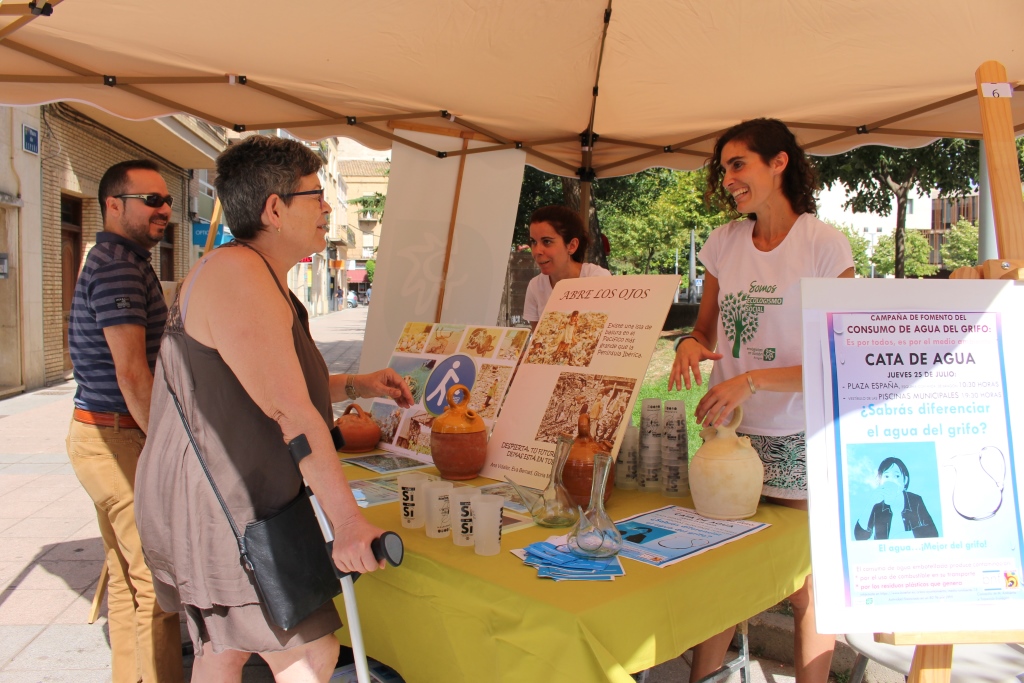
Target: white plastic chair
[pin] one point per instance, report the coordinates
(1001, 663)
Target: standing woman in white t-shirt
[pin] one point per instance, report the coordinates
(750, 313)
(558, 241)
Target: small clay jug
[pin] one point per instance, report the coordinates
(578, 473)
(458, 439)
(726, 473)
(360, 432)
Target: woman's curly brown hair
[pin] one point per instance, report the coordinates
(766, 137)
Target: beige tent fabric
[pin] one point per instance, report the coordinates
(672, 70)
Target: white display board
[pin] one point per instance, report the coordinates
(432, 358)
(410, 258)
(912, 389)
(589, 353)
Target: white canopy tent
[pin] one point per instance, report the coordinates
(589, 88)
(655, 80)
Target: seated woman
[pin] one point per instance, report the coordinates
(238, 355)
(558, 241)
(915, 522)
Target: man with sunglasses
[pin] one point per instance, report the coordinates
(117, 321)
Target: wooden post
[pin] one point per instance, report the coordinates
(1001, 156)
(211, 238)
(931, 664)
(1004, 182)
(451, 229)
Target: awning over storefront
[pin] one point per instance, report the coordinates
(355, 276)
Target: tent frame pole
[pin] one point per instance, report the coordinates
(451, 232)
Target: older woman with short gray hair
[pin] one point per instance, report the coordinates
(238, 355)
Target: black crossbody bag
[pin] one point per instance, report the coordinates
(285, 554)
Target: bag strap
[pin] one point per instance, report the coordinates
(239, 538)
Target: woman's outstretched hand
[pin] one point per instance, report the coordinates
(384, 382)
(688, 358)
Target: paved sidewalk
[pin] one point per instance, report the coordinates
(51, 552)
(50, 546)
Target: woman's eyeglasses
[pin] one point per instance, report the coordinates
(153, 200)
(318, 192)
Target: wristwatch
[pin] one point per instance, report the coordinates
(350, 388)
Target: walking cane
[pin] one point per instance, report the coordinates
(388, 546)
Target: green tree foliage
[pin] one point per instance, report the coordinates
(647, 226)
(539, 189)
(961, 247)
(875, 175)
(632, 196)
(918, 255)
(373, 203)
(859, 245)
(371, 268)
(739, 320)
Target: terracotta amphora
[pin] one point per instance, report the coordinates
(726, 473)
(360, 432)
(458, 439)
(578, 473)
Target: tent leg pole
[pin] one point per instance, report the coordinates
(211, 238)
(451, 232)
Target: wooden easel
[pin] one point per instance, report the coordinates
(933, 654)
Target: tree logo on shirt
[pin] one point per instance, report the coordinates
(739, 320)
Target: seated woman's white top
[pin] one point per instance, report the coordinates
(539, 290)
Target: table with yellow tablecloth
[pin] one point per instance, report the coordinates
(449, 615)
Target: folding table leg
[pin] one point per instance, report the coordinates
(741, 663)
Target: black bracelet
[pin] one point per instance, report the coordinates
(679, 341)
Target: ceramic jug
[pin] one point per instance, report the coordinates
(726, 473)
(578, 473)
(360, 432)
(458, 439)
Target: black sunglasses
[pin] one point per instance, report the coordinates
(319, 192)
(153, 200)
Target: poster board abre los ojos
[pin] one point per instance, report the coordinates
(589, 354)
(912, 389)
(433, 357)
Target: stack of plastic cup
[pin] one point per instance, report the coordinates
(629, 457)
(675, 476)
(648, 474)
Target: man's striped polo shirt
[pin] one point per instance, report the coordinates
(117, 287)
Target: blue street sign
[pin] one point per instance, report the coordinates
(200, 231)
(457, 369)
(29, 139)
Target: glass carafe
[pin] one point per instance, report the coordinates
(595, 534)
(554, 508)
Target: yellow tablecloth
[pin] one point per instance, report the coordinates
(449, 615)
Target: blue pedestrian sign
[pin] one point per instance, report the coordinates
(457, 369)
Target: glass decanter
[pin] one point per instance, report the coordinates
(595, 534)
(553, 507)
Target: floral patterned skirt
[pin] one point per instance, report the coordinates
(785, 464)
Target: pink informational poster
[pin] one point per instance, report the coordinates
(911, 402)
(433, 357)
(589, 354)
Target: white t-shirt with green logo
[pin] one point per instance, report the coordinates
(759, 299)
